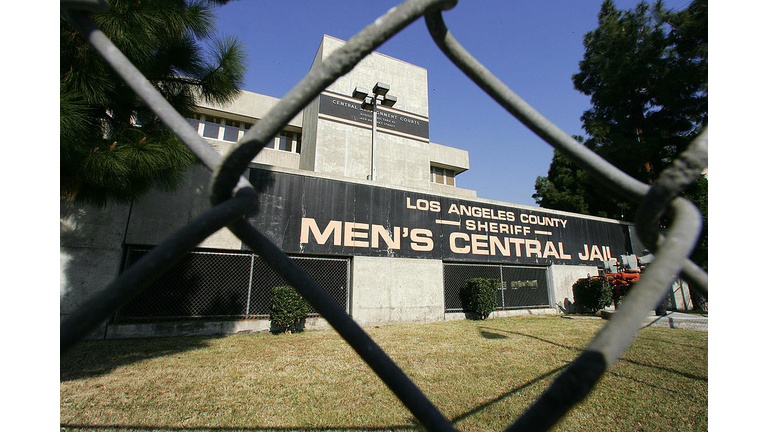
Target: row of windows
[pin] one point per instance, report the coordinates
(223, 129)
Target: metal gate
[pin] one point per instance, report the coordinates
(519, 286)
(230, 285)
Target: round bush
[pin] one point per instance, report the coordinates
(480, 296)
(288, 308)
(591, 295)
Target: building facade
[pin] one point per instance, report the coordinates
(388, 233)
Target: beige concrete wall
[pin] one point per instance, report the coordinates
(449, 157)
(392, 290)
(201, 328)
(309, 136)
(408, 82)
(343, 148)
(309, 125)
(440, 189)
(458, 316)
(266, 156)
(562, 278)
(247, 106)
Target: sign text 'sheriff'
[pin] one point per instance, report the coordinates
(318, 216)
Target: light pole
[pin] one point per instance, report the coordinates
(370, 101)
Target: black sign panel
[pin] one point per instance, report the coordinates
(385, 119)
(318, 216)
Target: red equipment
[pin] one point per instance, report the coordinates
(622, 273)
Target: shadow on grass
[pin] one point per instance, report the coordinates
(120, 428)
(508, 394)
(492, 335)
(499, 332)
(93, 358)
(624, 359)
(676, 344)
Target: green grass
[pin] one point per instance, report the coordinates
(480, 374)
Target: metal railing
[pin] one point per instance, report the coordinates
(232, 196)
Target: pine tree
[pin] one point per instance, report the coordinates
(113, 148)
(645, 71)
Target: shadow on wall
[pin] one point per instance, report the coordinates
(91, 254)
(566, 306)
(90, 242)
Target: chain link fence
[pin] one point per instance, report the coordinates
(232, 196)
(519, 286)
(208, 285)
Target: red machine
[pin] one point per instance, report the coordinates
(622, 273)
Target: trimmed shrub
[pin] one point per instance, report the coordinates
(591, 295)
(288, 309)
(479, 296)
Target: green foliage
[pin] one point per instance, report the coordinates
(698, 193)
(645, 71)
(113, 148)
(591, 295)
(288, 309)
(479, 296)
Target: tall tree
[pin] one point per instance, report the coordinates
(645, 71)
(113, 148)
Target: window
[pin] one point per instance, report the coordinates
(443, 176)
(287, 141)
(195, 121)
(231, 131)
(212, 126)
(283, 141)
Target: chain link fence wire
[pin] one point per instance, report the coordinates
(232, 197)
(205, 285)
(202, 284)
(518, 286)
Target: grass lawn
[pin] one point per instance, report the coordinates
(480, 374)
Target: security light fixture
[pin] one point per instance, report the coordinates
(370, 100)
(368, 103)
(359, 93)
(380, 88)
(389, 100)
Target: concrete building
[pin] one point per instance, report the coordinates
(389, 234)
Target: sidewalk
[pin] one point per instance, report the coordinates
(675, 320)
(679, 320)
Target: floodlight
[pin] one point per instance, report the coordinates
(368, 103)
(360, 93)
(380, 88)
(389, 100)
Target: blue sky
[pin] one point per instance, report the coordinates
(532, 46)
